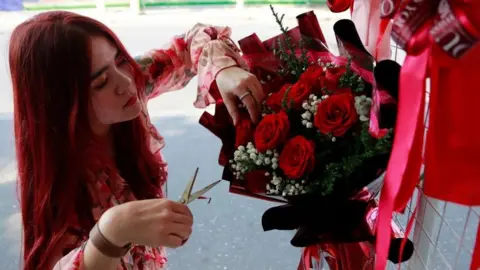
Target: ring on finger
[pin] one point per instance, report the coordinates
(244, 95)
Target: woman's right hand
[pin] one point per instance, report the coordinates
(155, 222)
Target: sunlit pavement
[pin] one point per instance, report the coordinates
(227, 232)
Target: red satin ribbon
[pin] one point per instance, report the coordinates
(406, 157)
(379, 97)
(309, 253)
(345, 256)
(435, 46)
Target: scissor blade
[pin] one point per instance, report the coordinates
(202, 191)
(188, 189)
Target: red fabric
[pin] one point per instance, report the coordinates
(452, 144)
(405, 159)
(309, 253)
(452, 153)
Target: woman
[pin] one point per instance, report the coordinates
(89, 162)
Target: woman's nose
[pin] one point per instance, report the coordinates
(123, 84)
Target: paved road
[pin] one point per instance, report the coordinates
(227, 233)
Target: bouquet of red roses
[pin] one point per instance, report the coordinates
(324, 139)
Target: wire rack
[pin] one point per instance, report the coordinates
(444, 233)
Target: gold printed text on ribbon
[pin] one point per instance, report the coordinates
(388, 8)
(449, 33)
(410, 18)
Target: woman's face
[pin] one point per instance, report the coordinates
(113, 90)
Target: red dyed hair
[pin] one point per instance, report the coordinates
(49, 58)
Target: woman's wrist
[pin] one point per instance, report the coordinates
(114, 226)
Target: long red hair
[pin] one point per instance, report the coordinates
(49, 58)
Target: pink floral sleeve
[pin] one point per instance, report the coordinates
(71, 261)
(204, 50)
(69, 255)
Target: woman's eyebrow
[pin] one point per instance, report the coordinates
(99, 72)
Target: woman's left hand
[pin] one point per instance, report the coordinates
(238, 85)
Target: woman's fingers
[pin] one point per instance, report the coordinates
(237, 85)
(231, 103)
(252, 105)
(250, 92)
(257, 89)
(181, 208)
(172, 241)
(182, 219)
(181, 230)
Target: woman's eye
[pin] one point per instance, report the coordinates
(101, 82)
(121, 60)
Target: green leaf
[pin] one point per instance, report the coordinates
(285, 101)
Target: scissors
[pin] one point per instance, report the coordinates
(188, 197)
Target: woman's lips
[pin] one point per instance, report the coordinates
(132, 101)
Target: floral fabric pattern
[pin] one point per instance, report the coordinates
(204, 51)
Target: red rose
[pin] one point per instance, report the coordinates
(298, 94)
(244, 131)
(336, 114)
(274, 101)
(297, 158)
(332, 77)
(271, 131)
(315, 76)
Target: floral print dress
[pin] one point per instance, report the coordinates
(204, 51)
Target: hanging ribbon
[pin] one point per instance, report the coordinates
(309, 253)
(436, 34)
(345, 256)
